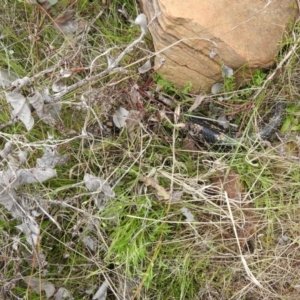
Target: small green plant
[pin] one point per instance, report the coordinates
(229, 84)
(169, 88)
(131, 231)
(258, 78)
(291, 121)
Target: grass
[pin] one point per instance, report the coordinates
(244, 242)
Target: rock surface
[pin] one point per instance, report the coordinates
(197, 37)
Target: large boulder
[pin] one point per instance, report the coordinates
(196, 38)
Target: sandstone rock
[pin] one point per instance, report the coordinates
(197, 37)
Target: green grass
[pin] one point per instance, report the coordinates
(141, 242)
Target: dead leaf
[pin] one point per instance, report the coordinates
(165, 100)
(59, 85)
(65, 17)
(8, 148)
(37, 101)
(7, 200)
(199, 99)
(18, 204)
(235, 188)
(248, 230)
(62, 293)
(133, 121)
(51, 158)
(38, 284)
(187, 213)
(94, 183)
(176, 196)
(230, 182)
(226, 71)
(135, 96)
(34, 175)
(97, 184)
(22, 156)
(46, 4)
(102, 292)
(222, 121)
(120, 117)
(161, 191)
(35, 259)
(145, 67)
(31, 229)
(13, 179)
(21, 108)
(189, 144)
(21, 82)
(6, 78)
(217, 88)
(65, 73)
(66, 22)
(90, 242)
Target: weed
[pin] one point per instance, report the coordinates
(132, 231)
(229, 84)
(258, 78)
(169, 88)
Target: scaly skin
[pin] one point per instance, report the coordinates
(209, 133)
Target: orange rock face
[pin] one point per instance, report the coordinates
(197, 37)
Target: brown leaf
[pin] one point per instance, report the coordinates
(133, 121)
(235, 188)
(135, 96)
(45, 4)
(231, 183)
(248, 230)
(248, 225)
(199, 99)
(65, 17)
(161, 191)
(189, 144)
(66, 22)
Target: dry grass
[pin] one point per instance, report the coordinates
(244, 240)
